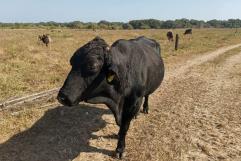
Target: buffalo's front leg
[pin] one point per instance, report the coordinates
(127, 115)
(122, 135)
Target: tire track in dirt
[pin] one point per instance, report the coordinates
(182, 68)
(217, 135)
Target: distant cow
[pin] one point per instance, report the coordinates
(170, 36)
(45, 38)
(119, 76)
(188, 32)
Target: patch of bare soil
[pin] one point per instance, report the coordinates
(1, 51)
(194, 115)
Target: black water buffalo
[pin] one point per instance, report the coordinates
(188, 32)
(45, 38)
(170, 36)
(119, 76)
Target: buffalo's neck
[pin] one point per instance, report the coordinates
(111, 103)
(103, 100)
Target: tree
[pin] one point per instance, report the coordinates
(134, 24)
(168, 24)
(127, 26)
(75, 25)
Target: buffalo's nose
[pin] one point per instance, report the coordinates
(63, 99)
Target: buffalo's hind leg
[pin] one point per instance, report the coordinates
(138, 105)
(145, 105)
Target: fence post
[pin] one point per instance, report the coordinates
(176, 42)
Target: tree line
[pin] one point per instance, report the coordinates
(134, 24)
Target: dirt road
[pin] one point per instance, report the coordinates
(194, 115)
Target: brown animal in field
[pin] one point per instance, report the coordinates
(170, 35)
(45, 38)
(188, 32)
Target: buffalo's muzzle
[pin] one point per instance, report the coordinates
(64, 100)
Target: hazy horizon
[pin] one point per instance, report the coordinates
(33, 11)
(117, 21)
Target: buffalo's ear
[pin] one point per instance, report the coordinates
(112, 76)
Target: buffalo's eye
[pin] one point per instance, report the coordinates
(90, 68)
(93, 66)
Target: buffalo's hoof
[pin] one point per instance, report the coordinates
(119, 155)
(145, 111)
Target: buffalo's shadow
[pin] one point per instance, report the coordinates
(60, 135)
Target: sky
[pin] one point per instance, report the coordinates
(116, 10)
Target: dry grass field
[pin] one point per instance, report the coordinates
(28, 66)
(194, 115)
